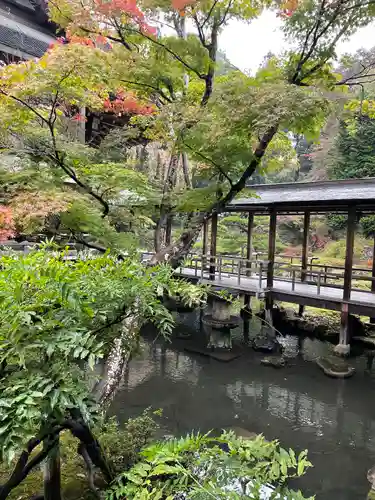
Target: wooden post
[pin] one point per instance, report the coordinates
(205, 241)
(247, 313)
(349, 252)
(271, 259)
(343, 348)
(372, 319)
(250, 225)
(213, 245)
(247, 305)
(271, 248)
(306, 225)
(305, 241)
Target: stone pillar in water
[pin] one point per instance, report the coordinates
(219, 324)
(220, 311)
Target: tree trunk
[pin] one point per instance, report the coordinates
(115, 365)
(52, 473)
(166, 217)
(177, 251)
(185, 169)
(168, 230)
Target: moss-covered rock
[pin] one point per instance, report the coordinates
(335, 367)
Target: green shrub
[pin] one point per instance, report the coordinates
(122, 444)
(203, 466)
(337, 222)
(368, 226)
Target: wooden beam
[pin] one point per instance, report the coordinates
(306, 226)
(249, 242)
(373, 268)
(352, 219)
(305, 241)
(271, 247)
(213, 245)
(372, 319)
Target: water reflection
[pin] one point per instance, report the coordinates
(334, 419)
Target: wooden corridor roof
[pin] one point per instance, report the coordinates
(323, 196)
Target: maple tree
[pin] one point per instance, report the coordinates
(170, 92)
(168, 89)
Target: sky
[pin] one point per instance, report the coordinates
(245, 45)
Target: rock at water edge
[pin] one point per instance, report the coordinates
(335, 367)
(274, 361)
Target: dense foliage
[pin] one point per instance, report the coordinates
(355, 150)
(218, 126)
(57, 320)
(204, 467)
(69, 123)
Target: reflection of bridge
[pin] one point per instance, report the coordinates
(333, 421)
(307, 284)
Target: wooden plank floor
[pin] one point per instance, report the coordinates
(251, 285)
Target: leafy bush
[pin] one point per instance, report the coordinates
(337, 249)
(57, 319)
(122, 444)
(202, 466)
(368, 226)
(337, 222)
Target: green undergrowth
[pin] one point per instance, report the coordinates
(75, 485)
(121, 446)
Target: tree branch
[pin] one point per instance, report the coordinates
(167, 49)
(223, 19)
(205, 158)
(24, 103)
(209, 13)
(147, 85)
(120, 34)
(241, 183)
(23, 466)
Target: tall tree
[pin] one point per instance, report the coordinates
(230, 125)
(354, 154)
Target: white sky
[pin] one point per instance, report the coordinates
(246, 45)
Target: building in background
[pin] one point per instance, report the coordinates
(25, 31)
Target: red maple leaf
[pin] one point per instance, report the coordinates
(127, 103)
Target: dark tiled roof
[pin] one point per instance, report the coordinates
(302, 194)
(18, 40)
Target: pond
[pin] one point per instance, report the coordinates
(334, 419)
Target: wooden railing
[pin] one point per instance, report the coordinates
(205, 266)
(208, 266)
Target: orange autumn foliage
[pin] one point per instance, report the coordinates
(7, 226)
(288, 8)
(181, 4)
(128, 7)
(31, 210)
(127, 103)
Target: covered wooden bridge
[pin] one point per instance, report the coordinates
(329, 287)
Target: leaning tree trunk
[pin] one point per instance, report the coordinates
(117, 360)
